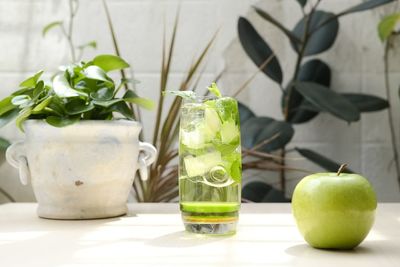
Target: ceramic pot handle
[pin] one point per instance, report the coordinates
(16, 157)
(146, 158)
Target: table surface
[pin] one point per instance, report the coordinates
(152, 235)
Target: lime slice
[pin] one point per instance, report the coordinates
(196, 166)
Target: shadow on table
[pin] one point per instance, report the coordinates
(183, 239)
(305, 250)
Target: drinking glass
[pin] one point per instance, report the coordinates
(210, 167)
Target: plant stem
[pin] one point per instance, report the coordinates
(72, 13)
(7, 195)
(300, 56)
(390, 112)
(117, 52)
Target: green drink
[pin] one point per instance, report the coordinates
(210, 165)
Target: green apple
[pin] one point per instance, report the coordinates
(334, 210)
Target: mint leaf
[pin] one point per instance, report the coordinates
(214, 89)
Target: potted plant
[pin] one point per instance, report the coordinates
(80, 158)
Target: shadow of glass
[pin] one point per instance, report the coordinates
(184, 239)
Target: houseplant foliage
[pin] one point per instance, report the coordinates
(308, 91)
(81, 91)
(388, 31)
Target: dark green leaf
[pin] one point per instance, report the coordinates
(257, 130)
(262, 192)
(302, 2)
(322, 38)
(367, 103)
(110, 62)
(107, 103)
(258, 50)
(4, 144)
(321, 160)
(366, 5)
(388, 25)
(103, 94)
(316, 71)
(62, 121)
(51, 26)
(5, 118)
(6, 105)
(31, 81)
(329, 101)
(38, 89)
(122, 107)
(78, 106)
(245, 113)
(273, 21)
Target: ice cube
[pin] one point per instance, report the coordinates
(196, 166)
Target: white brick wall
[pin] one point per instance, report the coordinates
(355, 59)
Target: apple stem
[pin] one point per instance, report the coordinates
(341, 168)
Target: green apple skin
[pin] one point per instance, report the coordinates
(334, 212)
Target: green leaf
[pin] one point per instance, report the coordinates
(132, 97)
(38, 89)
(262, 192)
(388, 25)
(102, 94)
(62, 121)
(5, 118)
(51, 26)
(259, 51)
(92, 44)
(107, 103)
(78, 106)
(62, 88)
(23, 116)
(327, 100)
(183, 94)
(322, 37)
(122, 107)
(366, 5)
(96, 73)
(31, 81)
(6, 105)
(4, 144)
(321, 160)
(42, 105)
(367, 103)
(110, 62)
(215, 90)
(316, 71)
(260, 129)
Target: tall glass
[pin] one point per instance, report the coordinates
(210, 165)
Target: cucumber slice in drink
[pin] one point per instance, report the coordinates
(212, 122)
(196, 166)
(229, 132)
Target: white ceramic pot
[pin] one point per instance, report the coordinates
(81, 171)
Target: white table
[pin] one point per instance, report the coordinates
(152, 235)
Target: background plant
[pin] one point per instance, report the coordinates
(388, 30)
(307, 93)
